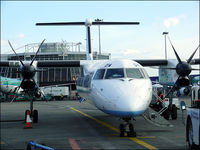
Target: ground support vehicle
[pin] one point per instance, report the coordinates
(193, 119)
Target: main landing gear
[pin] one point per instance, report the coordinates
(127, 128)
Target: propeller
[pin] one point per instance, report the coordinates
(27, 71)
(183, 69)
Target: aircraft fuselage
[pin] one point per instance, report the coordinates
(117, 87)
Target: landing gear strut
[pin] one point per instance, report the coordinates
(33, 113)
(127, 128)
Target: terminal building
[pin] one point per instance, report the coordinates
(52, 51)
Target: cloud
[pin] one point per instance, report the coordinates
(131, 52)
(21, 35)
(172, 21)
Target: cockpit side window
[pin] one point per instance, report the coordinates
(134, 73)
(114, 73)
(99, 74)
(144, 73)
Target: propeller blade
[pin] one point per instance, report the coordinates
(15, 53)
(190, 59)
(178, 58)
(16, 90)
(37, 52)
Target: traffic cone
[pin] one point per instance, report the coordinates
(28, 120)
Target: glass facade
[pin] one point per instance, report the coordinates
(50, 76)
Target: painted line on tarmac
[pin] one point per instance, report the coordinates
(74, 144)
(144, 144)
(139, 137)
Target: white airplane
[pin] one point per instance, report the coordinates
(117, 87)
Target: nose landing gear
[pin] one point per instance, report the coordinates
(127, 128)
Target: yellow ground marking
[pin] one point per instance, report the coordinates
(139, 137)
(146, 145)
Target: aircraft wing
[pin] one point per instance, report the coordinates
(46, 63)
(160, 62)
(59, 63)
(152, 62)
(76, 63)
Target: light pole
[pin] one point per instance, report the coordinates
(99, 20)
(165, 33)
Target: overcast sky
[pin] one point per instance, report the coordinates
(144, 41)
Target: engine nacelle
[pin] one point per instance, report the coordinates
(184, 91)
(183, 81)
(28, 84)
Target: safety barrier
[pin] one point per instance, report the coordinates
(33, 145)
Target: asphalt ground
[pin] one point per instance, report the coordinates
(74, 125)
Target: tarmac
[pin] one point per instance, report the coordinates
(73, 125)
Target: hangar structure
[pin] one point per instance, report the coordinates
(52, 51)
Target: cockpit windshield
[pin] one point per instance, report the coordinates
(134, 73)
(114, 73)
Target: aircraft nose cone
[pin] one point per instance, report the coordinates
(136, 97)
(124, 97)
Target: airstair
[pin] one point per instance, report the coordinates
(155, 117)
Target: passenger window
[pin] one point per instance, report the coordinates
(134, 73)
(114, 73)
(99, 74)
(199, 94)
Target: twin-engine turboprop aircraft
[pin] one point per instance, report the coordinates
(118, 87)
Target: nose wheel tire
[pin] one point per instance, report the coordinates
(130, 133)
(122, 130)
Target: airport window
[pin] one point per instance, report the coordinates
(114, 73)
(99, 74)
(134, 73)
